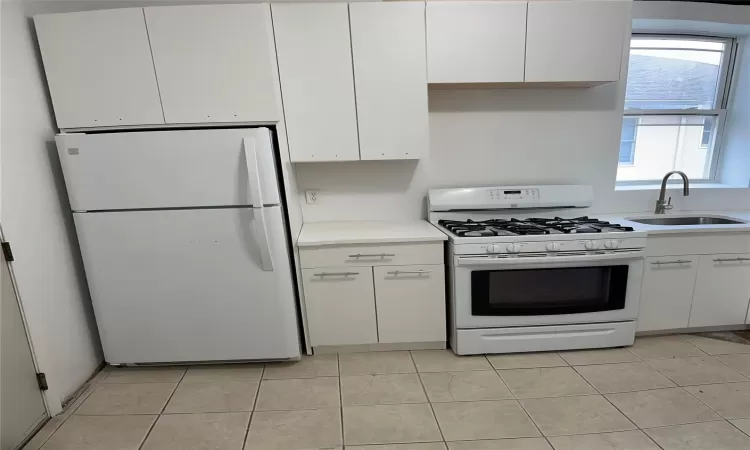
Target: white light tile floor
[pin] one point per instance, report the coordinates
(669, 392)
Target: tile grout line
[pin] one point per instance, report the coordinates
(158, 416)
(252, 411)
(429, 402)
(702, 402)
(747, 379)
(341, 399)
(683, 424)
(741, 431)
(610, 402)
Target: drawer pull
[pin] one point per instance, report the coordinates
(731, 259)
(679, 261)
(373, 255)
(411, 272)
(335, 274)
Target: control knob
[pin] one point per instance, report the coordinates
(493, 248)
(611, 244)
(591, 245)
(513, 248)
(553, 246)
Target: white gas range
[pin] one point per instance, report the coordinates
(553, 281)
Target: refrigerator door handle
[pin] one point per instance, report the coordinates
(253, 175)
(261, 231)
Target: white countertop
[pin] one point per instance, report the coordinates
(672, 229)
(367, 232)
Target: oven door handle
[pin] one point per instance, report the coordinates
(547, 260)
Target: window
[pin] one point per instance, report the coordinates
(674, 106)
(627, 141)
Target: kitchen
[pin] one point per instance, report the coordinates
(487, 126)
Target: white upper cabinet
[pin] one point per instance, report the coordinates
(317, 82)
(476, 41)
(99, 68)
(390, 73)
(722, 291)
(215, 63)
(576, 41)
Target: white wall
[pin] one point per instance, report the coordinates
(37, 221)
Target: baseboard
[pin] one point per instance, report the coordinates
(327, 349)
(693, 330)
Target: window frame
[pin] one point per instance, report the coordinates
(721, 102)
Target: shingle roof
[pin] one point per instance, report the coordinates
(659, 82)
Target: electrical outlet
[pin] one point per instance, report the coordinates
(311, 196)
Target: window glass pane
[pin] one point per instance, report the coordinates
(673, 73)
(628, 128)
(664, 143)
(708, 126)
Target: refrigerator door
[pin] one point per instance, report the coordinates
(169, 169)
(189, 285)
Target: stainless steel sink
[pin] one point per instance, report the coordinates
(694, 220)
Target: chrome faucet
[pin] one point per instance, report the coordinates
(661, 205)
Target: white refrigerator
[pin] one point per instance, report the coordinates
(184, 244)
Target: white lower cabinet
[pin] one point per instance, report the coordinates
(722, 291)
(340, 305)
(667, 292)
(389, 293)
(410, 303)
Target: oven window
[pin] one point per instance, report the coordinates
(542, 292)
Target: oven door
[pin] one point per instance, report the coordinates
(539, 289)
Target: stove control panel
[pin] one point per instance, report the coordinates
(559, 246)
(513, 194)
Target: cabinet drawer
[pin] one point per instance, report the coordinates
(372, 255)
(410, 303)
(340, 304)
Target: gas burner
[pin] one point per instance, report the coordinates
(531, 226)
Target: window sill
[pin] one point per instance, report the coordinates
(677, 185)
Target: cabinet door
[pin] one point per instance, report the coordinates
(576, 41)
(476, 41)
(340, 304)
(317, 82)
(390, 73)
(722, 291)
(99, 68)
(667, 292)
(214, 63)
(410, 303)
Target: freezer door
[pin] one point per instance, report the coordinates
(188, 285)
(169, 169)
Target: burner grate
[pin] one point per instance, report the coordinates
(531, 226)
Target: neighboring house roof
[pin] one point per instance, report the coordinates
(658, 82)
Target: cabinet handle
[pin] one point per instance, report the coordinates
(335, 274)
(373, 255)
(679, 261)
(731, 259)
(400, 272)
